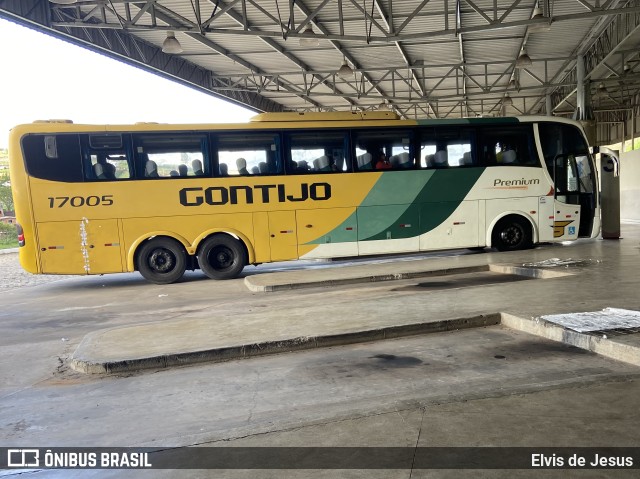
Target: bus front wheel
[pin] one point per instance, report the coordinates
(222, 257)
(512, 233)
(162, 260)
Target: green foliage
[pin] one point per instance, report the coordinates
(8, 235)
(635, 146)
(6, 197)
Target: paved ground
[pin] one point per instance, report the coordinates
(491, 386)
(13, 276)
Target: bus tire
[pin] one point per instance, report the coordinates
(162, 260)
(222, 257)
(512, 233)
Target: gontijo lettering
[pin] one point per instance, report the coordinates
(221, 195)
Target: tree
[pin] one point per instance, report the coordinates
(6, 196)
(8, 234)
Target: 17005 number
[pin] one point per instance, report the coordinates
(77, 201)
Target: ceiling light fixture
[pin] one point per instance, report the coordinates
(523, 60)
(171, 44)
(307, 40)
(345, 71)
(384, 106)
(507, 101)
(542, 26)
(63, 2)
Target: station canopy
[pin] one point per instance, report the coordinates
(420, 58)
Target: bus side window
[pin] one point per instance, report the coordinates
(317, 152)
(53, 157)
(248, 154)
(383, 149)
(106, 157)
(171, 155)
(508, 146)
(450, 147)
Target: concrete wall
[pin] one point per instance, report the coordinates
(630, 186)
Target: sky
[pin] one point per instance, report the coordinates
(42, 78)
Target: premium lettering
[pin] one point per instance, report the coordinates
(520, 182)
(233, 195)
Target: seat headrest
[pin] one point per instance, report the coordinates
(430, 160)
(509, 156)
(441, 157)
(196, 165)
(150, 169)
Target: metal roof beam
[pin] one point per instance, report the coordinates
(616, 34)
(167, 15)
(396, 36)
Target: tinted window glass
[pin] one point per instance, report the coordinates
(317, 152)
(53, 157)
(383, 149)
(171, 155)
(105, 157)
(446, 147)
(504, 146)
(248, 154)
(560, 139)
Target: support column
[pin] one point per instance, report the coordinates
(548, 105)
(580, 94)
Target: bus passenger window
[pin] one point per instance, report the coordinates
(317, 152)
(248, 154)
(105, 157)
(445, 147)
(383, 149)
(508, 146)
(110, 166)
(175, 155)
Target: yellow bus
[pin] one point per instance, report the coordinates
(161, 199)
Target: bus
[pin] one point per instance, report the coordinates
(162, 199)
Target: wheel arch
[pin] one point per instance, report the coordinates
(244, 240)
(534, 230)
(135, 246)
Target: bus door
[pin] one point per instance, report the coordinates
(571, 167)
(575, 192)
(80, 247)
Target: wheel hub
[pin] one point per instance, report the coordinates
(162, 261)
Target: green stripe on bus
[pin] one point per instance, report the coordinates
(407, 204)
(437, 200)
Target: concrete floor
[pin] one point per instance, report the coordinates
(486, 386)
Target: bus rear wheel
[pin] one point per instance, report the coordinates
(222, 257)
(512, 233)
(162, 260)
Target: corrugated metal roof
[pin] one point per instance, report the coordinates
(407, 52)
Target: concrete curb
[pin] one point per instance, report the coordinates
(251, 282)
(612, 348)
(89, 366)
(8, 250)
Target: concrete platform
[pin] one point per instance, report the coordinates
(460, 291)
